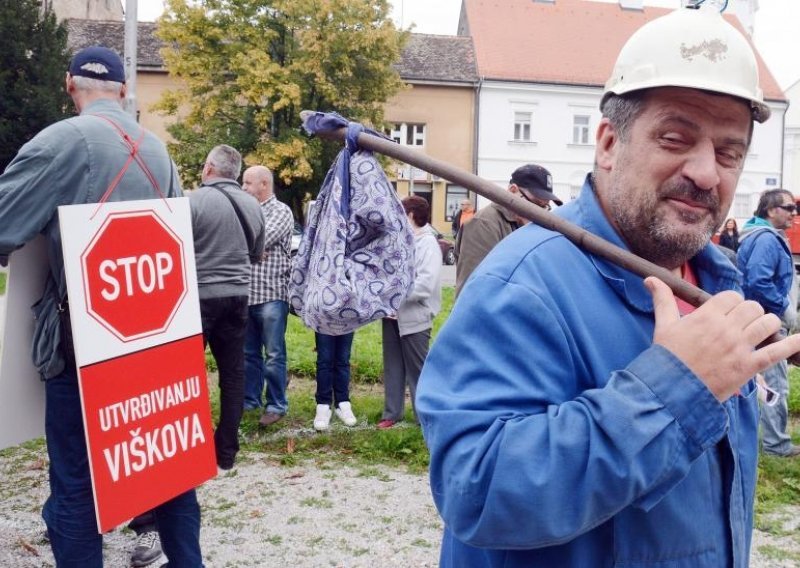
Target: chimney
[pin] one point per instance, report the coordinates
(632, 5)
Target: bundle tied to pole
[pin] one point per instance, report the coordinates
(577, 235)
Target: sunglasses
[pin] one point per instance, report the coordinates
(788, 208)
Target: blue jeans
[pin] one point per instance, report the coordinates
(69, 510)
(333, 368)
(774, 419)
(266, 328)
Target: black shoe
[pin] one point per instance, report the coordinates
(147, 549)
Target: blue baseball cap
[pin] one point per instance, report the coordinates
(98, 62)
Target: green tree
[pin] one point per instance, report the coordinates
(34, 59)
(248, 67)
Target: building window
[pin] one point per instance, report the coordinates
(407, 134)
(522, 126)
(455, 195)
(580, 129)
(741, 206)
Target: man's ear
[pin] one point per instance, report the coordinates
(123, 92)
(607, 143)
(513, 188)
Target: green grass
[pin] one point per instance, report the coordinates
(366, 360)
(293, 439)
(2, 283)
(779, 478)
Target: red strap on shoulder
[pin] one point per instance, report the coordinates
(133, 156)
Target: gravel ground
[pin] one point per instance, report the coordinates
(259, 514)
(312, 515)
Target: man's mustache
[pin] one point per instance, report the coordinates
(688, 191)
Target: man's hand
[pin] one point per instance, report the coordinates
(718, 340)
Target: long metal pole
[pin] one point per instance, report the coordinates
(578, 235)
(131, 41)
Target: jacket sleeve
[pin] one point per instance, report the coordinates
(31, 188)
(518, 461)
(276, 226)
(475, 240)
(427, 265)
(762, 269)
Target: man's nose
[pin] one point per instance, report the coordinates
(701, 166)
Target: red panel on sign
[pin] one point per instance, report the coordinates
(148, 428)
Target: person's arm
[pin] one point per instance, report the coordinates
(764, 261)
(428, 266)
(475, 240)
(277, 224)
(526, 453)
(31, 188)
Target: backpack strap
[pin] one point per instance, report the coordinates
(248, 231)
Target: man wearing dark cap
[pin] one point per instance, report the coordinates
(84, 159)
(493, 223)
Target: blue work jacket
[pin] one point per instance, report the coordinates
(560, 436)
(766, 264)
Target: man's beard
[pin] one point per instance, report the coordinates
(649, 233)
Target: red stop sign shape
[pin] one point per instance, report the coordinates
(134, 275)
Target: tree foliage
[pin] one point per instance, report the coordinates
(34, 59)
(248, 67)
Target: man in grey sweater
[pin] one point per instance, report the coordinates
(228, 235)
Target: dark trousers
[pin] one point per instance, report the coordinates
(333, 368)
(69, 510)
(224, 324)
(403, 357)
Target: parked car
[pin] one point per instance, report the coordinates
(448, 248)
(297, 235)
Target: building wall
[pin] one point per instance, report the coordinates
(86, 9)
(791, 156)
(150, 85)
(448, 115)
(553, 109)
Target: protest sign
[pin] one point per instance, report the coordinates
(137, 333)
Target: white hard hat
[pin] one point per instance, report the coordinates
(697, 49)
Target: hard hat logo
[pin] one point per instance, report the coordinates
(694, 49)
(714, 50)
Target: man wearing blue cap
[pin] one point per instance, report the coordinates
(76, 161)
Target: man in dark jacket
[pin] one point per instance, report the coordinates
(493, 223)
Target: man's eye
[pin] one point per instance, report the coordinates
(729, 158)
(673, 139)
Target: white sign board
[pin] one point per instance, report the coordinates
(21, 387)
(136, 328)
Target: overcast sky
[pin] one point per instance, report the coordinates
(777, 35)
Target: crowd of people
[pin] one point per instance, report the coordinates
(576, 415)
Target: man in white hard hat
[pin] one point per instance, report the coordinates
(590, 419)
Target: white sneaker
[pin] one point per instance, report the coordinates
(345, 413)
(323, 417)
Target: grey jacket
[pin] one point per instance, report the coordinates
(417, 311)
(73, 162)
(220, 248)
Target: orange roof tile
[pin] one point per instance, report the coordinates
(566, 42)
